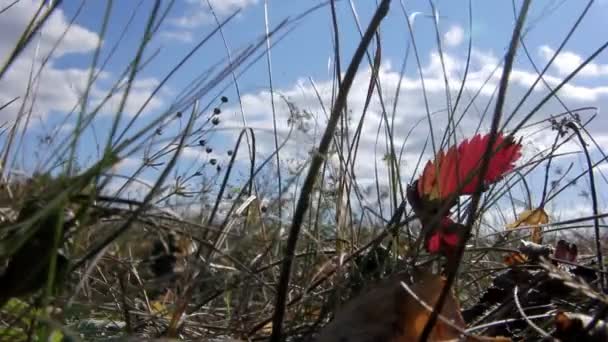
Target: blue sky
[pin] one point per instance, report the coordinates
(299, 61)
(306, 51)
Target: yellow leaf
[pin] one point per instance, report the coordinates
(159, 308)
(530, 218)
(534, 218)
(267, 328)
(537, 235)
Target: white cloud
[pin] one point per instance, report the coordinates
(435, 69)
(140, 91)
(198, 153)
(454, 36)
(568, 61)
(15, 20)
(199, 14)
(57, 89)
(177, 35)
(126, 165)
(223, 7)
(136, 189)
(410, 114)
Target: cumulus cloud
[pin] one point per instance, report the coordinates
(140, 92)
(568, 61)
(198, 13)
(56, 89)
(15, 20)
(181, 36)
(454, 36)
(307, 114)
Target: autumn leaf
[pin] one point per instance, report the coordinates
(160, 305)
(266, 329)
(515, 258)
(442, 177)
(445, 238)
(388, 312)
(565, 251)
(159, 308)
(571, 326)
(534, 218)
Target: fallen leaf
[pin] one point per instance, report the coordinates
(515, 258)
(572, 327)
(266, 329)
(534, 218)
(565, 251)
(159, 306)
(387, 312)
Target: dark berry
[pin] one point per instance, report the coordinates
(229, 152)
(215, 121)
(202, 142)
(216, 111)
(178, 114)
(218, 168)
(212, 161)
(208, 150)
(224, 99)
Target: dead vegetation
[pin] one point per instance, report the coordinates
(250, 246)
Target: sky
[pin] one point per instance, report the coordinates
(302, 68)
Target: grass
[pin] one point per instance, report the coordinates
(259, 248)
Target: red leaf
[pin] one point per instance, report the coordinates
(450, 239)
(443, 239)
(442, 177)
(433, 245)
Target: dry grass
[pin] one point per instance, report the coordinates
(258, 249)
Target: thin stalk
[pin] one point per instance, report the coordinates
(316, 163)
(273, 109)
(85, 96)
(596, 220)
(476, 197)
